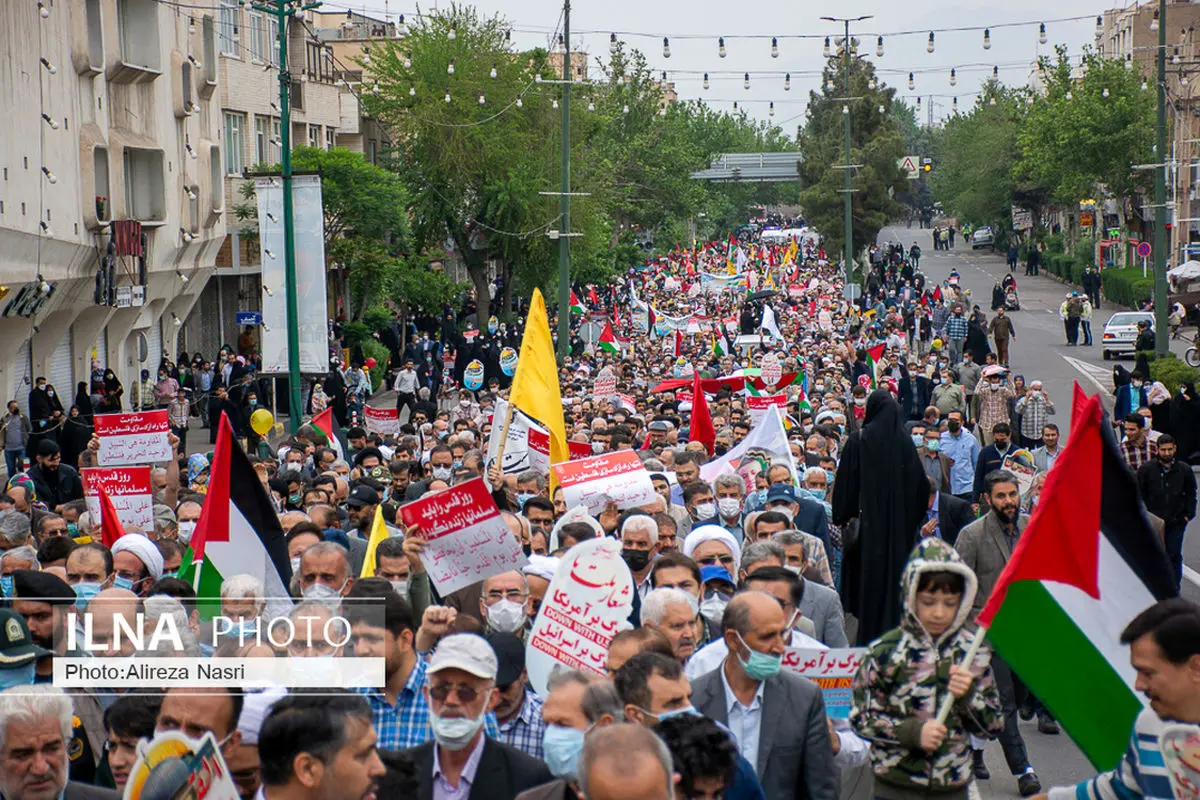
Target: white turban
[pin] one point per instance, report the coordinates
(144, 549)
(541, 566)
(575, 514)
(255, 708)
(711, 533)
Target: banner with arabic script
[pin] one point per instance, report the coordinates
(136, 438)
(833, 670)
(720, 283)
(466, 539)
(130, 491)
(617, 477)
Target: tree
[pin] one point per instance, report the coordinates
(876, 146)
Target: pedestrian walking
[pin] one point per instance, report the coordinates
(1002, 330)
(1168, 488)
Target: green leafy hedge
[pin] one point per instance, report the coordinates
(1172, 372)
(374, 349)
(1127, 286)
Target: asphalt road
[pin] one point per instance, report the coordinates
(1039, 351)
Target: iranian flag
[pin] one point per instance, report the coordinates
(325, 423)
(238, 533)
(874, 356)
(608, 342)
(576, 306)
(1087, 564)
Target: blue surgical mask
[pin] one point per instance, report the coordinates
(918, 439)
(121, 582)
(19, 676)
(816, 494)
(523, 498)
(829, 474)
(686, 711)
(562, 746)
(762, 495)
(72, 529)
(759, 666)
(6, 585)
(171, 573)
(84, 592)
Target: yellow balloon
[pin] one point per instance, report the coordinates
(261, 421)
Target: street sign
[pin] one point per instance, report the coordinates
(249, 318)
(1086, 219)
(1144, 249)
(911, 165)
(1022, 219)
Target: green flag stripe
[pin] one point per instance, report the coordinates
(1064, 669)
(210, 584)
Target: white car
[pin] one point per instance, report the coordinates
(1121, 332)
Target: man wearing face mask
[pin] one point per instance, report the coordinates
(187, 514)
(325, 575)
(730, 491)
(519, 710)
(963, 451)
(17, 430)
(992, 457)
(639, 548)
(504, 603)
(137, 564)
(751, 695)
(56, 483)
(698, 500)
(462, 761)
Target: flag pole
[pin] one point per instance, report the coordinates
(508, 416)
(972, 651)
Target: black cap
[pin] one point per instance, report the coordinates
(43, 587)
(16, 645)
(510, 657)
(362, 496)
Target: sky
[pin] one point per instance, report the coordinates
(693, 27)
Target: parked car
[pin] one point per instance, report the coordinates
(1121, 331)
(982, 237)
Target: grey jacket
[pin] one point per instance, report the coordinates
(822, 605)
(1039, 457)
(795, 757)
(984, 548)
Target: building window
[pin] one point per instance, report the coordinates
(229, 28)
(273, 41)
(329, 133)
(373, 152)
(314, 135)
(144, 184)
(235, 143)
(276, 141)
(137, 32)
(257, 30)
(262, 147)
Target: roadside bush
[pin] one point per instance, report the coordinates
(1127, 286)
(374, 349)
(1172, 372)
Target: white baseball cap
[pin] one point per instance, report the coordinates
(465, 651)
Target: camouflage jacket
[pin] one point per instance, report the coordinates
(903, 680)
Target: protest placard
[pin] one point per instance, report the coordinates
(136, 438)
(384, 421)
(130, 491)
(175, 765)
(757, 405)
(832, 670)
(605, 385)
(466, 539)
(685, 396)
(526, 447)
(588, 599)
(594, 482)
(577, 450)
(1020, 464)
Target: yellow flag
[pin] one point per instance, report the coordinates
(535, 386)
(379, 532)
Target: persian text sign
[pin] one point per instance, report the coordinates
(466, 539)
(384, 421)
(136, 438)
(128, 488)
(832, 670)
(617, 477)
(758, 405)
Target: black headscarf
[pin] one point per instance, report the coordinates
(83, 401)
(1185, 422)
(881, 484)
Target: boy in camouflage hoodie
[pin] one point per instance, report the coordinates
(906, 674)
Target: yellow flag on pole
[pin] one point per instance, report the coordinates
(535, 386)
(379, 532)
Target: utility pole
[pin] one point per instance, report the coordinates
(848, 190)
(283, 11)
(1161, 327)
(564, 242)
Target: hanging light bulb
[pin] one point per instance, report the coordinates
(453, 34)
(1099, 27)
(918, 102)
(191, 26)
(1042, 33)
(846, 109)
(879, 47)
(706, 84)
(1175, 56)
(996, 72)
(882, 110)
(992, 101)
(664, 76)
(662, 112)
(1153, 21)
(625, 108)
(612, 43)
(562, 45)
(481, 100)
(50, 121)
(1145, 85)
(45, 12)
(954, 104)
(912, 84)
(721, 47)
(492, 74)
(987, 38)
(1105, 92)
(787, 82)
(450, 67)
(735, 105)
(774, 49)
(408, 60)
(520, 103)
(829, 84)
(1068, 95)
(1129, 61)
(929, 44)
(746, 81)
(412, 90)
(825, 50)
(591, 106)
(871, 84)
(447, 97)
(953, 76)
(400, 27)
(666, 47)
(771, 109)
(49, 67)
(554, 105)
(49, 175)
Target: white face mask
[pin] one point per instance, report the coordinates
(505, 616)
(706, 510)
(187, 527)
(325, 595)
(455, 733)
(400, 588)
(729, 507)
(295, 564)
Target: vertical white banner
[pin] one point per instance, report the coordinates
(309, 242)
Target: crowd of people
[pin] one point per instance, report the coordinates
(881, 515)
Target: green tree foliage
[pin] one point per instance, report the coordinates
(876, 145)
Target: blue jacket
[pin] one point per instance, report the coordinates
(1126, 403)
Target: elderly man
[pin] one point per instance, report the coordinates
(639, 547)
(504, 603)
(15, 530)
(242, 602)
(621, 762)
(35, 730)
(461, 761)
(195, 711)
(777, 717)
(137, 563)
(673, 612)
(325, 575)
(730, 491)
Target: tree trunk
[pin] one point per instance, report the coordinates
(477, 272)
(506, 292)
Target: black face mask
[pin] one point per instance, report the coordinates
(636, 559)
(528, 549)
(720, 449)
(954, 426)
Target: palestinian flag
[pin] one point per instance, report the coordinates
(608, 342)
(874, 356)
(576, 306)
(238, 533)
(326, 424)
(1087, 564)
(720, 347)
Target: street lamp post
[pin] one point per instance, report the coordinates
(848, 190)
(564, 243)
(1161, 343)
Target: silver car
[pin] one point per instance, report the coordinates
(1121, 332)
(982, 237)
